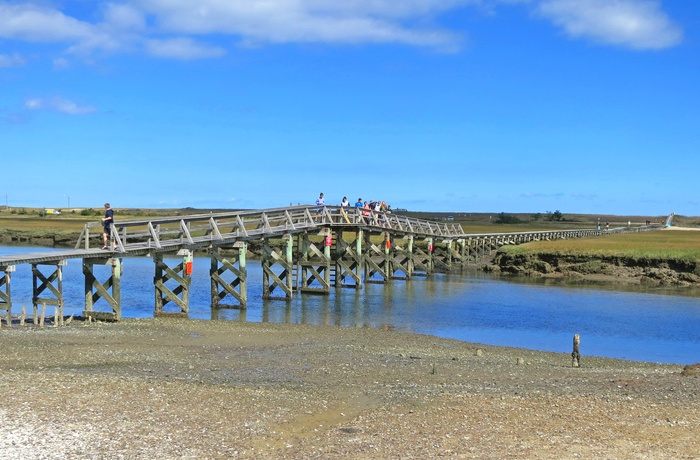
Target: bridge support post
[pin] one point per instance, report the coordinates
(328, 243)
(315, 264)
(389, 262)
(44, 283)
(94, 290)
(283, 280)
(461, 252)
(237, 287)
(181, 274)
(6, 297)
(411, 246)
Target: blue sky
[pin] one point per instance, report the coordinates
(582, 106)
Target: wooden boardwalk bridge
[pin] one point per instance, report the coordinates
(303, 249)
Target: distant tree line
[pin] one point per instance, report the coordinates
(504, 218)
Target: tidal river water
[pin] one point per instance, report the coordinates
(645, 325)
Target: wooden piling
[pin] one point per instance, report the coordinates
(575, 354)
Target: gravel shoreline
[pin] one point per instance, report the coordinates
(196, 389)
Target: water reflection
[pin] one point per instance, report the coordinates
(630, 322)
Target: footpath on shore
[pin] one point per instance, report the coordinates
(162, 388)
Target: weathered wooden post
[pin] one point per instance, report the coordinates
(43, 314)
(360, 260)
(430, 264)
(5, 297)
(389, 266)
(289, 264)
(575, 354)
(328, 243)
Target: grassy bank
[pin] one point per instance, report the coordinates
(661, 244)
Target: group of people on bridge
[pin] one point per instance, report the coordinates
(379, 207)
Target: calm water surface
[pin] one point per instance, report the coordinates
(646, 326)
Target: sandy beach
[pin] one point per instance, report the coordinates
(167, 389)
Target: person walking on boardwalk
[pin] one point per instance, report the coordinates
(360, 206)
(320, 203)
(365, 213)
(345, 203)
(107, 225)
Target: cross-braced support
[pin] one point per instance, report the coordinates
(481, 247)
(348, 261)
(377, 261)
(442, 256)
(402, 258)
(94, 290)
(222, 268)
(476, 248)
(283, 279)
(314, 263)
(182, 276)
(423, 259)
(6, 297)
(43, 283)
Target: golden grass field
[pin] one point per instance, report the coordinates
(657, 244)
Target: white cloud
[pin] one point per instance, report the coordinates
(33, 23)
(328, 21)
(180, 28)
(637, 24)
(124, 17)
(11, 60)
(61, 63)
(59, 105)
(182, 48)
(160, 25)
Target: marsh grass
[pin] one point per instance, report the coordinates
(660, 244)
(473, 228)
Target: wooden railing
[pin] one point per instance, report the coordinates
(222, 228)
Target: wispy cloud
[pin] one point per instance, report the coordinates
(638, 24)
(182, 48)
(285, 21)
(180, 29)
(542, 195)
(11, 60)
(37, 24)
(169, 28)
(15, 118)
(58, 104)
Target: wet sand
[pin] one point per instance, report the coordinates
(166, 389)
